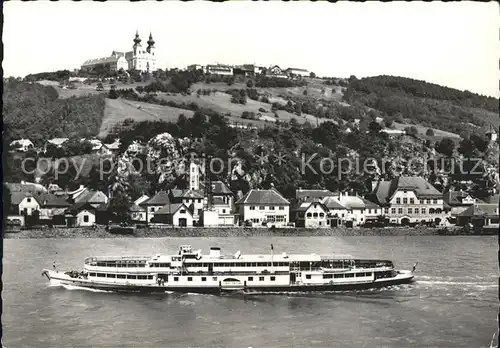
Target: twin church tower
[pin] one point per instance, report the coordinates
(140, 58)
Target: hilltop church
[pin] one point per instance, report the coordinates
(138, 59)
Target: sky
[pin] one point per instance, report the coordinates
(451, 44)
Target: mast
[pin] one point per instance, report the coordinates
(272, 254)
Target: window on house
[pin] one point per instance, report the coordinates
(190, 279)
(271, 208)
(428, 201)
(398, 200)
(416, 210)
(250, 279)
(434, 201)
(386, 210)
(183, 211)
(309, 215)
(261, 279)
(176, 279)
(393, 210)
(410, 211)
(282, 208)
(423, 210)
(405, 200)
(412, 200)
(400, 210)
(261, 207)
(199, 200)
(29, 200)
(85, 218)
(223, 211)
(321, 214)
(308, 276)
(252, 208)
(315, 215)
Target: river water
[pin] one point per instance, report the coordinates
(453, 303)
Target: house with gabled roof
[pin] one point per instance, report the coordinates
(175, 214)
(264, 207)
(81, 214)
(53, 208)
(155, 203)
(480, 215)
(406, 200)
(22, 145)
(302, 195)
(311, 215)
(458, 201)
(193, 199)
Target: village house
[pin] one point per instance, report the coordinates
(155, 203)
(264, 207)
(81, 214)
(219, 69)
(277, 72)
(220, 205)
(408, 200)
(195, 67)
(336, 211)
(137, 213)
(22, 205)
(457, 202)
(52, 208)
(480, 215)
(177, 215)
(193, 199)
(113, 147)
(294, 72)
(98, 147)
(312, 215)
(57, 142)
(93, 197)
(22, 145)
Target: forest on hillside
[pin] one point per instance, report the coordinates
(407, 100)
(33, 111)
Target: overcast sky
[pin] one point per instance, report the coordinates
(452, 44)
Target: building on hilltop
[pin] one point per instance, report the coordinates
(138, 59)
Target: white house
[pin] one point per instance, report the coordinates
(335, 208)
(312, 215)
(260, 207)
(458, 201)
(409, 200)
(85, 218)
(25, 205)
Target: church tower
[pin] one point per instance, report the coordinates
(151, 45)
(137, 44)
(194, 177)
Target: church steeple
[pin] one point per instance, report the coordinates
(137, 40)
(151, 43)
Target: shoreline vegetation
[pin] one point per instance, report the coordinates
(100, 232)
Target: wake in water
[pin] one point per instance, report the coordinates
(74, 287)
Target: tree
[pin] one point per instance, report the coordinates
(389, 123)
(411, 130)
(481, 143)
(374, 127)
(312, 75)
(446, 146)
(467, 147)
(112, 92)
(429, 132)
(249, 83)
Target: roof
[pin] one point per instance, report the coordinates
(352, 202)
(493, 199)
(263, 197)
(77, 207)
(136, 208)
(50, 200)
(22, 142)
(305, 207)
(58, 141)
(25, 187)
(218, 201)
(161, 198)
(454, 198)
(313, 193)
(297, 69)
(90, 196)
(483, 210)
(105, 60)
(113, 146)
(141, 199)
(370, 204)
(17, 197)
(177, 193)
(385, 190)
(218, 188)
(333, 203)
(169, 209)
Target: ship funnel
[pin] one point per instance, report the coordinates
(215, 252)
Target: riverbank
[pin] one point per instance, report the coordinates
(100, 232)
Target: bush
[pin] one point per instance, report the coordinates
(429, 132)
(249, 83)
(262, 110)
(248, 115)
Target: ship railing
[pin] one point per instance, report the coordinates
(93, 259)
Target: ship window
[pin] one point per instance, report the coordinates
(101, 275)
(91, 274)
(327, 276)
(250, 279)
(368, 274)
(150, 277)
(261, 279)
(308, 276)
(176, 279)
(338, 276)
(131, 276)
(190, 279)
(360, 274)
(214, 279)
(349, 275)
(109, 275)
(203, 279)
(121, 276)
(273, 278)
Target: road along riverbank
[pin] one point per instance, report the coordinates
(100, 232)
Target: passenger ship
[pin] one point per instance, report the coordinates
(191, 271)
